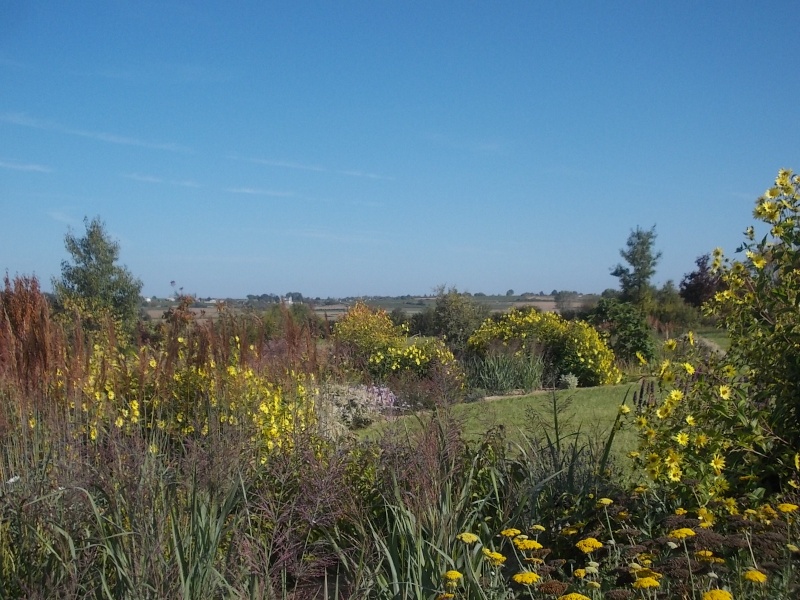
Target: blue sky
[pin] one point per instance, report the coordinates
(385, 148)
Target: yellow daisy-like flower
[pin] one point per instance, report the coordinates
(624, 410)
(682, 438)
(646, 582)
(467, 537)
(787, 507)
(717, 463)
(675, 395)
(605, 502)
(453, 575)
(526, 578)
(690, 421)
(717, 595)
(682, 533)
(689, 368)
(670, 344)
(755, 576)
(588, 545)
(642, 359)
(510, 532)
(725, 392)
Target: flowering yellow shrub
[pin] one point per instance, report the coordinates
(572, 346)
(364, 331)
(726, 426)
(372, 339)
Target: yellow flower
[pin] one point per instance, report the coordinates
(682, 438)
(689, 368)
(641, 358)
(718, 595)
(690, 421)
(467, 537)
(510, 532)
(579, 573)
(787, 507)
(755, 576)
(605, 502)
(453, 576)
(717, 463)
(646, 582)
(682, 533)
(537, 528)
(153, 448)
(573, 596)
(445, 596)
(524, 544)
(593, 584)
(725, 392)
(680, 511)
(588, 545)
(495, 558)
(675, 395)
(670, 344)
(624, 410)
(526, 578)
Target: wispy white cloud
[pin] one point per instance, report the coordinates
(18, 166)
(24, 120)
(154, 179)
(286, 164)
(259, 192)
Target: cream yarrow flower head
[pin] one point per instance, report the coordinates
(605, 502)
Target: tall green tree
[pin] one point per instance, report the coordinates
(634, 279)
(92, 283)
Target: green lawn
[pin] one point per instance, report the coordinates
(590, 410)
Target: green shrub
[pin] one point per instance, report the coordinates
(626, 329)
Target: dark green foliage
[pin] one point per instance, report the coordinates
(634, 280)
(455, 318)
(626, 327)
(670, 312)
(93, 283)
